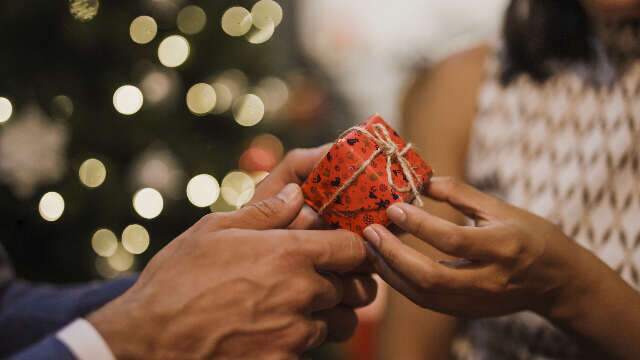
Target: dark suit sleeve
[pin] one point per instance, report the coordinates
(30, 313)
(48, 349)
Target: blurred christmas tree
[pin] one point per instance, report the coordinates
(110, 109)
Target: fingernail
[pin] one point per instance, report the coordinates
(372, 236)
(289, 193)
(396, 214)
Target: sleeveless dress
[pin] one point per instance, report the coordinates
(568, 150)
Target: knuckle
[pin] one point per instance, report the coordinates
(267, 208)
(451, 183)
(294, 155)
(455, 242)
(426, 279)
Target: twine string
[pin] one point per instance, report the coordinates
(388, 148)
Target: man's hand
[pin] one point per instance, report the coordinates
(231, 287)
(295, 168)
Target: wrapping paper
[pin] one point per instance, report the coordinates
(350, 186)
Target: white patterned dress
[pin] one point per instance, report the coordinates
(567, 150)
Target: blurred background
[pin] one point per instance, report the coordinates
(123, 122)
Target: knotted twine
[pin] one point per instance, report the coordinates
(386, 146)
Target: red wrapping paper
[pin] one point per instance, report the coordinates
(365, 200)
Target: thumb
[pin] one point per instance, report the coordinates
(272, 213)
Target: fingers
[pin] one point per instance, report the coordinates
(419, 270)
(341, 322)
(272, 213)
(461, 241)
(470, 201)
(329, 250)
(307, 219)
(358, 290)
(293, 169)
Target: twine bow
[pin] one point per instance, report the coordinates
(387, 147)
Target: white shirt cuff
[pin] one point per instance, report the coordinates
(84, 341)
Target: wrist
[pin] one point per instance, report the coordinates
(122, 330)
(585, 281)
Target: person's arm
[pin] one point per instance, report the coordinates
(29, 313)
(438, 113)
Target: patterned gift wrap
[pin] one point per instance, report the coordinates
(369, 168)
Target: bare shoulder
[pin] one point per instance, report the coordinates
(440, 107)
(462, 72)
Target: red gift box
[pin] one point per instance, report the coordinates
(369, 168)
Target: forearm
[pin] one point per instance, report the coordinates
(603, 309)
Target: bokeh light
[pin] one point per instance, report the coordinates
(128, 99)
(203, 190)
(191, 20)
(201, 98)
(237, 21)
(173, 51)
(6, 109)
(258, 36)
(61, 107)
(92, 173)
(148, 203)
(224, 98)
(248, 110)
(84, 10)
(135, 239)
(237, 188)
(270, 143)
(156, 86)
(104, 242)
(121, 260)
(51, 206)
(221, 205)
(266, 13)
(274, 92)
(143, 29)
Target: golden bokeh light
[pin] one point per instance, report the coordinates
(203, 190)
(258, 36)
(222, 206)
(128, 99)
(6, 109)
(51, 206)
(265, 13)
(236, 21)
(121, 260)
(143, 30)
(191, 20)
(84, 10)
(104, 242)
(237, 188)
(173, 51)
(92, 173)
(148, 203)
(135, 239)
(248, 110)
(61, 107)
(224, 98)
(201, 98)
(104, 269)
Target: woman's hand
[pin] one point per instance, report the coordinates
(514, 260)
